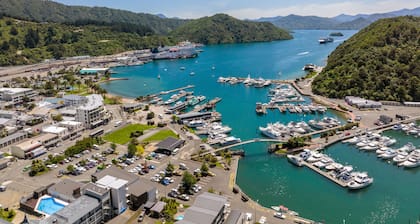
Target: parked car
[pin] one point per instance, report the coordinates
(279, 215)
(184, 197)
(141, 216)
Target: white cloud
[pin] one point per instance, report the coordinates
(325, 10)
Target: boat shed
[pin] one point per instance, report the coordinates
(168, 145)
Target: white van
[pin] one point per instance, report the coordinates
(117, 123)
(175, 151)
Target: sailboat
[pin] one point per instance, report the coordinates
(158, 76)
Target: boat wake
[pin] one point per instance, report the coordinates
(386, 213)
(303, 53)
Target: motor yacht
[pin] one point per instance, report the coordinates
(360, 180)
(296, 160)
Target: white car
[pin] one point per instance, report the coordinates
(279, 215)
(262, 220)
(248, 216)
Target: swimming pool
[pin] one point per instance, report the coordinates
(48, 205)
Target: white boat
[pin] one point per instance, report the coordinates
(400, 157)
(305, 154)
(353, 140)
(334, 166)
(195, 123)
(411, 162)
(229, 141)
(382, 150)
(270, 132)
(297, 160)
(319, 164)
(360, 180)
(388, 154)
(314, 157)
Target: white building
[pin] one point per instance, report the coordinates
(92, 113)
(72, 126)
(16, 95)
(62, 132)
(118, 188)
(73, 100)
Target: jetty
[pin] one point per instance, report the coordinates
(210, 105)
(325, 174)
(173, 90)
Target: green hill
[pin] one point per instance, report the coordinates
(222, 28)
(24, 42)
(49, 11)
(381, 62)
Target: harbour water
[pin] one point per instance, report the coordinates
(392, 198)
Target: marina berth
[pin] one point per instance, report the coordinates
(296, 160)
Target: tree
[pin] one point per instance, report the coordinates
(170, 169)
(13, 31)
(150, 115)
(188, 181)
(131, 150)
(57, 117)
(113, 146)
(70, 168)
(204, 169)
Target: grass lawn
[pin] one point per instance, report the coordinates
(161, 135)
(122, 135)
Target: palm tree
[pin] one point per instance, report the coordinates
(78, 83)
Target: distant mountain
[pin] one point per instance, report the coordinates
(380, 62)
(49, 11)
(292, 22)
(222, 28)
(343, 21)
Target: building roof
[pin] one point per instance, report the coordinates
(9, 112)
(95, 188)
(3, 121)
(193, 114)
(14, 90)
(73, 211)
(93, 101)
(45, 137)
(54, 129)
(70, 123)
(118, 173)
(139, 187)
(170, 143)
(111, 182)
(205, 209)
(74, 97)
(234, 217)
(65, 187)
(12, 136)
(158, 207)
(29, 145)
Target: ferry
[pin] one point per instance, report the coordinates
(324, 40)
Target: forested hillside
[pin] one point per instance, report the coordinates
(381, 62)
(49, 11)
(24, 42)
(222, 28)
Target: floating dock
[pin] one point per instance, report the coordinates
(211, 104)
(173, 90)
(325, 174)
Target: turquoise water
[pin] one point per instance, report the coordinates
(268, 178)
(49, 206)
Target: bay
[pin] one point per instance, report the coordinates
(393, 197)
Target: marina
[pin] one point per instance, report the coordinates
(278, 181)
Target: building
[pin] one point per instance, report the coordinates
(3, 163)
(12, 139)
(208, 208)
(118, 189)
(62, 132)
(168, 145)
(115, 172)
(84, 210)
(92, 113)
(93, 71)
(103, 195)
(27, 149)
(7, 114)
(235, 217)
(131, 107)
(73, 127)
(17, 95)
(66, 190)
(362, 103)
(34, 147)
(140, 193)
(194, 116)
(74, 100)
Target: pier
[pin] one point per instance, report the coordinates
(173, 90)
(325, 174)
(211, 104)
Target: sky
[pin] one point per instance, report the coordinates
(251, 9)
